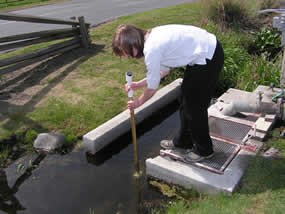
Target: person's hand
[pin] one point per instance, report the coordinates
(133, 104)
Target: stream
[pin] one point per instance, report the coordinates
(78, 182)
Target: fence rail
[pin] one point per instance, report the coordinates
(77, 35)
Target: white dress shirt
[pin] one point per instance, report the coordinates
(170, 46)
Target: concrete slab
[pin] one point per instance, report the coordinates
(103, 135)
(202, 180)
(189, 176)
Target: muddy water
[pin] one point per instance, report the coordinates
(80, 183)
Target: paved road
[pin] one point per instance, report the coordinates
(94, 11)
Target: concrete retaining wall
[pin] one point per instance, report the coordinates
(102, 136)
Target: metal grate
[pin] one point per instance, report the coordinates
(224, 154)
(228, 130)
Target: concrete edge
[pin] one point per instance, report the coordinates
(97, 139)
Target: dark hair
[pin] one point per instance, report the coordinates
(126, 38)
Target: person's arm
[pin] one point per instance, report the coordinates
(136, 85)
(142, 83)
(163, 74)
(147, 94)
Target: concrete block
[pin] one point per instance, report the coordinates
(189, 176)
(262, 126)
(256, 135)
(103, 135)
(270, 118)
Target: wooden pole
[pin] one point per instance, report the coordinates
(35, 19)
(37, 59)
(129, 77)
(134, 139)
(46, 33)
(33, 41)
(52, 48)
(83, 32)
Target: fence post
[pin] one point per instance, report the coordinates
(83, 32)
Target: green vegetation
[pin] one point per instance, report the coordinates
(87, 89)
(6, 5)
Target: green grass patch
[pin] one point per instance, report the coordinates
(6, 5)
(262, 191)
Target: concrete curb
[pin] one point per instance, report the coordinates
(102, 136)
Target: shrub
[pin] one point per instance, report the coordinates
(267, 42)
(232, 13)
(265, 4)
(235, 59)
(259, 71)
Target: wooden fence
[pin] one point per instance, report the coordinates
(77, 35)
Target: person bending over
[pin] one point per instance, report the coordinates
(170, 46)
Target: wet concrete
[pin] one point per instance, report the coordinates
(81, 183)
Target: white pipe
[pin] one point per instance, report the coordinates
(239, 106)
(129, 79)
(242, 106)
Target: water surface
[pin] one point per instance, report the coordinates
(81, 183)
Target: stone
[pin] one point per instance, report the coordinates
(49, 142)
(272, 153)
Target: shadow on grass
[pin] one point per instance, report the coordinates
(70, 61)
(14, 117)
(264, 174)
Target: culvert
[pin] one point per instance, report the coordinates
(97, 139)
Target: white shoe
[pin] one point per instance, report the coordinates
(167, 144)
(193, 157)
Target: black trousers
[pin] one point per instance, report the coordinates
(197, 88)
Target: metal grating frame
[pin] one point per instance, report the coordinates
(224, 154)
(228, 130)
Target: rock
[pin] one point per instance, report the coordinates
(49, 141)
(272, 153)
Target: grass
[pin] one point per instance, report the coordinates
(87, 89)
(8, 5)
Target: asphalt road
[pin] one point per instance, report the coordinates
(94, 11)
